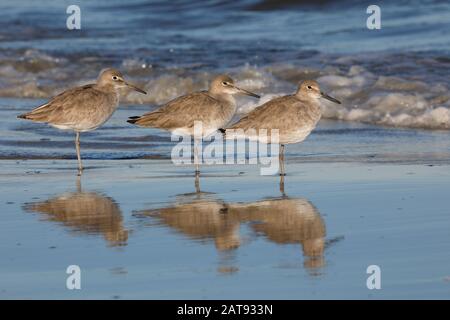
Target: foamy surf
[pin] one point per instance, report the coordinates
(382, 100)
(370, 94)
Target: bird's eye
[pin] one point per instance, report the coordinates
(115, 78)
(309, 87)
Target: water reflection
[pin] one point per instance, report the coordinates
(284, 220)
(84, 212)
(200, 216)
(287, 221)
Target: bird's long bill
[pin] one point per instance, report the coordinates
(251, 94)
(135, 88)
(325, 96)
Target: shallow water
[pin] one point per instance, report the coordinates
(396, 76)
(117, 139)
(143, 231)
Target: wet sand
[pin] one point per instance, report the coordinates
(138, 229)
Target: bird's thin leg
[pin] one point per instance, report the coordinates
(282, 185)
(77, 146)
(281, 160)
(197, 182)
(78, 183)
(196, 158)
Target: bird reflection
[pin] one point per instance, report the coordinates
(199, 216)
(281, 220)
(84, 212)
(287, 221)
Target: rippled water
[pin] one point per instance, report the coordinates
(396, 76)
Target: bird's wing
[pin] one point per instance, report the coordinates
(272, 115)
(181, 112)
(65, 108)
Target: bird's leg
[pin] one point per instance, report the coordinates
(78, 183)
(282, 185)
(196, 158)
(197, 182)
(281, 160)
(77, 146)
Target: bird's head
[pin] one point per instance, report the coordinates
(223, 84)
(114, 78)
(311, 89)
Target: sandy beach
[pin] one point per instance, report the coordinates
(138, 229)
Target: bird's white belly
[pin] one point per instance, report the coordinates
(200, 128)
(62, 126)
(272, 136)
(76, 127)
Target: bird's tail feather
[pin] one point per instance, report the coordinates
(133, 119)
(34, 116)
(146, 120)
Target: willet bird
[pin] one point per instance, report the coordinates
(83, 108)
(294, 116)
(213, 109)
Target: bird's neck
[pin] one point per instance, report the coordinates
(308, 100)
(110, 91)
(225, 98)
(313, 103)
(107, 87)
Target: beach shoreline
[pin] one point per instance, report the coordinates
(392, 215)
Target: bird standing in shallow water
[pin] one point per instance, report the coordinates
(213, 108)
(294, 116)
(83, 108)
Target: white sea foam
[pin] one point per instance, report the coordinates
(366, 96)
(383, 100)
(391, 101)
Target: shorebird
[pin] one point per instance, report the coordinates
(294, 116)
(83, 108)
(213, 108)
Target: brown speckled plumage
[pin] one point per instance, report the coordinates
(82, 108)
(212, 109)
(293, 116)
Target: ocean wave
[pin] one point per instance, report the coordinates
(390, 101)
(381, 100)
(367, 96)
